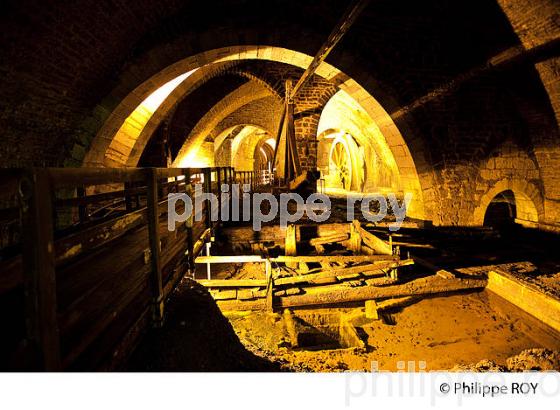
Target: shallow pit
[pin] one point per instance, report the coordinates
(437, 333)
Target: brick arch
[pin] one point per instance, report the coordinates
(528, 201)
(107, 135)
(407, 164)
(242, 96)
(259, 78)
(243, 148)
(262, 113)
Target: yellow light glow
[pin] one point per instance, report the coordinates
(195, 159)
(125, 138)
(344, 113)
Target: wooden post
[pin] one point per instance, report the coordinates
(231, 182)
(291, 245)
(153, 232)
(371, 310)
(127, 197)
(39, 268)
(190, 246)
(208, 189)
(208, 268)
(219, 182)
(355, 241)
(82, 209)
(270, 286)
(189, 223)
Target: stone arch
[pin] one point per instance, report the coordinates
(528, 202)
(410, 178)
(343, 114)
(263, 113)
(264, 154)
(244, 95)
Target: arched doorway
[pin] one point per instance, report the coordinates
(510, 199)
(263, 157)
(501, 211)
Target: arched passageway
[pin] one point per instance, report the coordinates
(510, 201)
(501, 211)
(380, 141)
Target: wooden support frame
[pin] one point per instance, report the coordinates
(39, 269)
(155, 247)
(219, 193)
(48, 304)
(284, 259)
(343, 25)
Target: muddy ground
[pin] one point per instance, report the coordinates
(477, 331)
(433, 334)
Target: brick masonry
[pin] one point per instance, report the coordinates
(66, 67)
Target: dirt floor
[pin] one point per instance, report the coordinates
(432, 334)
(195, 337)
(477, 331)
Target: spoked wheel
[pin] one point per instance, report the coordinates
(341, 162)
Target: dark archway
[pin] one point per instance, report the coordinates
(501, 211)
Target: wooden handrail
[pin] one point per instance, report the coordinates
(50, 258)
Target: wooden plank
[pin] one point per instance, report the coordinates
(72, 177)
(96, 198)
(296, 259)
(95, 236)
(333, 258)
(378, 245)
(39, 268)
(241, 305)
(322, 240)
(336, 294)
(378, 267)
(233, 283)
(230, 259)
(154, 239)
(177, 172)
(526, 296)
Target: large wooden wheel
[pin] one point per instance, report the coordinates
(341, 162)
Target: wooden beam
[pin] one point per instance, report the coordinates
(337, 294)
(332, 258)
(322, 240)
(377, 267)
(155, 244)
(234, 283)
(292, 164)
(230, 259)
(284, 259)
(345, 22)
(355, 241)
(378, 245)
(39, 268)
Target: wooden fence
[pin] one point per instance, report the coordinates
(95, 261)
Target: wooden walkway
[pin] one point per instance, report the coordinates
(95, 262)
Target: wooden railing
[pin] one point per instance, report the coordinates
(95, 263)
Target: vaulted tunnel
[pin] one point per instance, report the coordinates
(107, 109)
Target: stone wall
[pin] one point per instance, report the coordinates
(466, 97)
